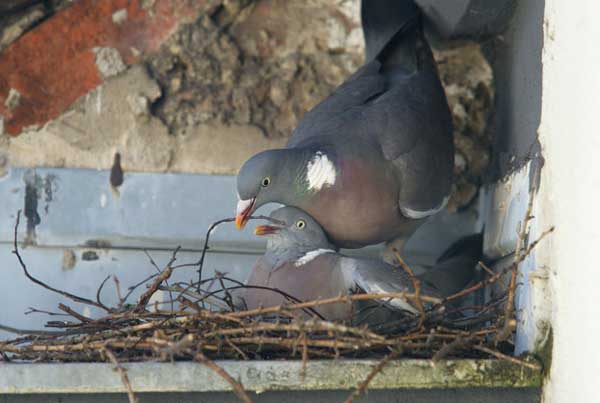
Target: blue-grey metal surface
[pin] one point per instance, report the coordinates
(76, 230)
(77, 207)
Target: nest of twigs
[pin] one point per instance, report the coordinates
(200, 323)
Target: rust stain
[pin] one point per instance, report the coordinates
(54, 64)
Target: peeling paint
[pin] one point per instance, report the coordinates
(69, 259)
(32, 184)
(89, 256)
(116, 172)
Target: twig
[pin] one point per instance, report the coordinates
(205, 247)
(458, 343)
(228, 298)
(417, 287)
(486, 268)
(237, 387)
(501, 356)
(212, 227)
(509, 310)
(74, 314)
(34, 310)
(41, 283)
(123, 373)
(29, 332)
(309, 311)
(153, 263)
(164, 275)
(99, 291)
(362, 387)
(118, 289)
(328, 301)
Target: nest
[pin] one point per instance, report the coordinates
(200, 325)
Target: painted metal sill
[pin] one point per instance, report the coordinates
(262, 376)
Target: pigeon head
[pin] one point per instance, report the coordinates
(286, 176)
(292, 228)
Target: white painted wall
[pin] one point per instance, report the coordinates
(570, 137)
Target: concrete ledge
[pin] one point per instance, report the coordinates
(262, 376)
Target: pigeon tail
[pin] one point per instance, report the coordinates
(390, 28)
(456, 268)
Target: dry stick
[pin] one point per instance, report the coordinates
(417, 287)
(153, 263)
(214, 225)
(328, 301)
(289, 297)
(123, 373)
(496, 276)
(509, 308)
(228, 298)
(35, 310)
(362, 387)
(237, 349)
(99, 291)
(41, 283)
(190, 293)
(205, 248)
(164, 275)
(310, 325)
(510, 322)
(477, 286)
(27, 332)
(499, 355)
(74, 314)
(458, 343)
(237, 387)
(118, 289)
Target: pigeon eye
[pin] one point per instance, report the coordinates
(300, 224)
(265, 182)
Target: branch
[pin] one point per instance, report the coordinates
(214, 225)
(362, 387)
(41, 283)
(123, 373)
(163, 276)
(417, 287)
(237, 387)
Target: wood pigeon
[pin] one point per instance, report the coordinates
(375, 158)
(301, 262)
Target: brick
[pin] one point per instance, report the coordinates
(53, 65)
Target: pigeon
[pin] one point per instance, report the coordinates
(373, 160)
(302, 263)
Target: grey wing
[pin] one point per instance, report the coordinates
(338, 113)
(374, 276)
(414, 127)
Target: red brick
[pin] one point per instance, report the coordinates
(54, 64)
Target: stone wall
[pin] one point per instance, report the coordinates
(228, 79)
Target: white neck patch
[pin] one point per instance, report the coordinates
(320, 172)
(309, 256)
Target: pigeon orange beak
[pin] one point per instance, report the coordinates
(244, 209)
(265, 230)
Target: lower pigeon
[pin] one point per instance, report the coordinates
(301, 262)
